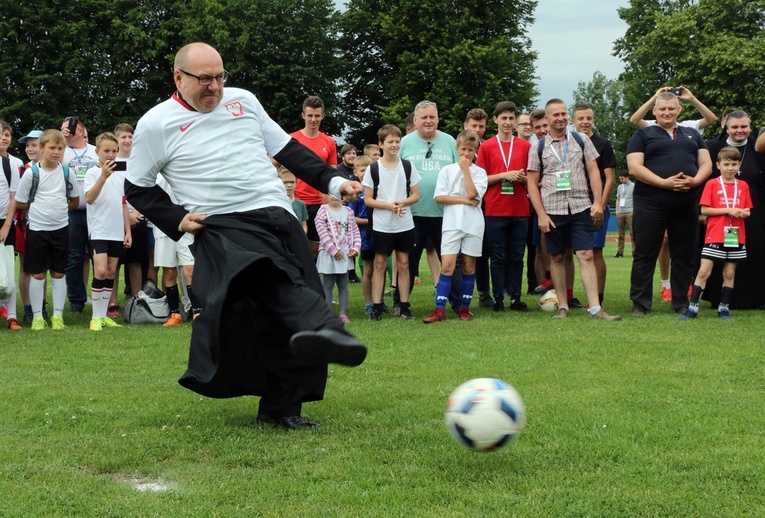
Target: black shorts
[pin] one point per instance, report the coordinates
(139, 250)
(47, 250)
(110, 248)
(718, 253)
(367, 255)
(313, 235)
(385, 243)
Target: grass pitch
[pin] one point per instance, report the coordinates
(649, 416)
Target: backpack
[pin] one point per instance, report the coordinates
(36, 182)
(148, 307)
(374, 170)
(579, 140)
(7, 169)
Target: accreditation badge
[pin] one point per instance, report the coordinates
(508, 187)
(730, 239)
(563, 180)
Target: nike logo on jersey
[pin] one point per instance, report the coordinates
(187, 126)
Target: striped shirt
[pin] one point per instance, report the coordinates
(561, 155)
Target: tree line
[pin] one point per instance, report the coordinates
(109, 61)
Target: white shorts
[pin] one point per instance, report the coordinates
(169, 254)
(452, 241)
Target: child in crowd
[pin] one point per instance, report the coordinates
(31, 143)
(361, 214)
(124, 134)
(460, 188)
(726, 203)
(390, 186)
(49, 191)
(108, 224)
(339, 242)
(169, 255)
(298, 205)
(372, 151)
(9, 180)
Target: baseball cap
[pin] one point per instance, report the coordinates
(32, 134)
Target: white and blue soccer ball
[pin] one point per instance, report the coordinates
(485, 414)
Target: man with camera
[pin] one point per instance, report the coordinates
(79, 156)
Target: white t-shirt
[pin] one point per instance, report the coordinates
(50, 210)
(79, 161)
(235, 138)
(392, 188)
(105, 219)
(451, 182)
(5, 189)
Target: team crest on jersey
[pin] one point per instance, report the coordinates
(235, 108)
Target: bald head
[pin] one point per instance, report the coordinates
(195, 64)
(189, 52)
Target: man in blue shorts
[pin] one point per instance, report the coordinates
(565, 213)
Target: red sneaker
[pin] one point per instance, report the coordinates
(3, 312)
(174, 320)
(465, 315)
(14, 325)
(437, 316)
(666, 294)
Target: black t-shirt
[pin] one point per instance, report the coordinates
(666, 156)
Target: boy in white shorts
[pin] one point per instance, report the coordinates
(169, 255)
(108, 224)
(460, 188)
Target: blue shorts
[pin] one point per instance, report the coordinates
(574, 230)
(599, 237)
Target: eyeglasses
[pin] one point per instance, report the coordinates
(425, 104)
(207, 80)
(523, 124)
(289, 182)
(430, 151)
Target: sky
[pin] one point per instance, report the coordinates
(574, 39)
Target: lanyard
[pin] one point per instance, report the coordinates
(728, 205)
(564, 161)
(506, 160)
(79, 157)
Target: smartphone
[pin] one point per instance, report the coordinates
(120, 166)
(677, 91)
(72, 125)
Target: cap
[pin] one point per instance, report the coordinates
(32, 134)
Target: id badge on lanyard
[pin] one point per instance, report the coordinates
(730, 233)
(507, 187)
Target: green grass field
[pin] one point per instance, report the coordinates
(644, 417)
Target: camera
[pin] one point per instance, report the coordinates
(73, 121)
(677, 91)
(120, 166)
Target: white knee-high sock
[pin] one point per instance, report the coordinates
(36, 295)
(59, 295)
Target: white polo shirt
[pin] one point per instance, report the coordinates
(451, 182)
(50, 210)
(392, 187)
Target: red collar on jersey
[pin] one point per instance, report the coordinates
(178, 97)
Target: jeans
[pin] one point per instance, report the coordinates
(78, 254)
(507, 241)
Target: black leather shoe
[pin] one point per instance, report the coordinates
(292, 422)
(328, 346)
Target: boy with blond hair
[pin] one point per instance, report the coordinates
(109, 226)
(49, 191)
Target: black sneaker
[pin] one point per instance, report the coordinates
(499, 306)
(406, 314)
(519, 305)
(573, 303)
(328, 346)
(375, 316)
(485, 301)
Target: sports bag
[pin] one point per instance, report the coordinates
(149, 306)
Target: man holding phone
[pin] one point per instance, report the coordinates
(683, 94)
(79, 156)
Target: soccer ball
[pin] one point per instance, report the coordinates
(548, 301)
(484, 414)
